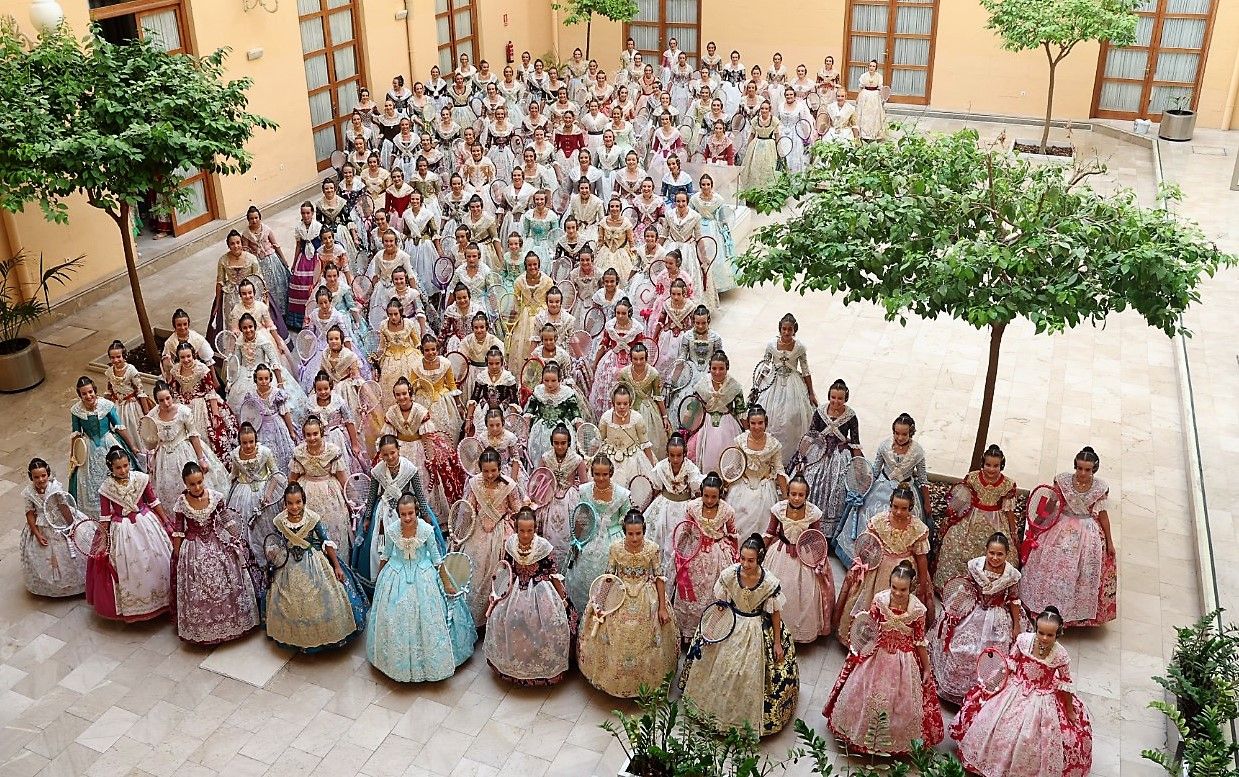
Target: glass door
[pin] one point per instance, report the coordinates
(1162, 69)
(329, 44)
(658, 21)
(899, 34)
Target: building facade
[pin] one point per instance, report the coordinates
(307, 59)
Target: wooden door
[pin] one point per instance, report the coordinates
(900, 35)
(330, 36)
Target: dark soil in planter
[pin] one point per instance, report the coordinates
(139, 358)
(1050, 150)
(643, 767)
(14, 345)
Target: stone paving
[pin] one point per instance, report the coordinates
(79, 695)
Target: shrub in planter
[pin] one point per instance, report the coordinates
(20, 365)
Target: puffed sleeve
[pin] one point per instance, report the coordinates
(694, 476)
(187, 421)
(802, 360)
(295, 466)
(219, 270)
(1098, 507)
(178, 523)
(776, 602)
(776, 455)
(853, 432)
(134, 379)
(918, 632)
(720, 590)
(115, 422)
(75, 423)
(1063, 679)
(337, 464)
(921, 546)
(148, 495)
(643, 437)
(108, 509)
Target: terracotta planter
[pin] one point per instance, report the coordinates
(21, 365)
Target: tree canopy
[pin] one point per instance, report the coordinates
(937, 224)
(585, 10)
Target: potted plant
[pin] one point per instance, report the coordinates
(1179, 122)
(21, 366)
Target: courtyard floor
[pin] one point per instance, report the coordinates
(79, 695)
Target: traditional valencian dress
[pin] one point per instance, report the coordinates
(408, 637)
(128, 392)
(890, 469)
(386, 489)
(216, 600)
(57, 568)
(754, 495)
(863, 583)
(545, 411)
(1023, 730)
(308, 609)
(100, 430)
(630, 648)
(674, 494)
(1067, 565)
(695, 579)
(414, 429)
(256, 483)
(737, 680)
(625, 445)
(595, 555)
(175, 449)
(531, 632)
(317, 474)
(880, 704)
(787, 399)
(957, 642)
(130, 582)
(494, 508)
(810, 595)
(838, 439)
(964, 534)
(724, 408)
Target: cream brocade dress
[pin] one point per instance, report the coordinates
(630, 648)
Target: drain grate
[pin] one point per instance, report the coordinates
(1209, 150)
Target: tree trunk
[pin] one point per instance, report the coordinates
(1049, 109)
(987, 395)
(123, 221)
(588, 24)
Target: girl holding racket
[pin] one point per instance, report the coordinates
(216, 598)
(788, 390)
(494, 387)
(127, 572)
(833, 441)
(408, 636)
(741, 666)
(476, 348)
(625, 438)
(553, 404)
(797, 554)
(700, 560)
(983, 503)
(885, 696)
(676, 479)
(1068, 553)
(511, 451)
(761, 157)
(570, 471)
(51, 565)
(891, 538)
(494, 500)
(174, 440)
(672, 317)
(393, 476)
(1023, 716)
(764, 482)
(646, 387)
(434, 373)
(96, 428)
(530, 292)
(321, 469)
(269, 410)
(613, 354)
(899, 459)
(410, 423)
(630, 638)
(701, 342)
(338, 424)
(315, 602)
(610, 503)
(125, 388)
(194, 386)
(981, 611)
(256, 483)
(533, 627)
(251, 351)
(721, 399)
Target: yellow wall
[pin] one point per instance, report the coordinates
(804, 33)
(1220, 84)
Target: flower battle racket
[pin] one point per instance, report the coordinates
(690, 414)
(863, 638)
(812, 549)
(541, 485)
(500, 585)
(1045, 506)
(462, 519)
(456, 573)
(606, 596)
(641, 492)
(992, 670)
(470, 453)
(717, 623)
(732, 464)
(960, 596)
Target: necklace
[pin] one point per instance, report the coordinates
(1042, 650)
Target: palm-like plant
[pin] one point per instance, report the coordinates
(17, 313)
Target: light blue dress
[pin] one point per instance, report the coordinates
(889, 470)
(595, 556)
(408, 637)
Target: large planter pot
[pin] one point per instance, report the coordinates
(21, 365)
(1177, 126)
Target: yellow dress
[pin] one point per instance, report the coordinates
(398, 352)
(630, 648)
(436, 389)
(530, 300)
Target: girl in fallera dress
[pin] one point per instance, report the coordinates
(1036, 726)
(253, 350)
(764, 482)
(720, 547)
(320, 321)
(611, 504)
(903, 537)
(476, 348)
(410, 423)
(530, 292)
(320, 468)
(179, 442)
(260, 241)
(870, 110)
(96, 421)
(301, 279)
(625, 439)
(261, 313)
(790, 396)
(409, 630)
(723, 399)
(752, 677)
(885, 700)
(561, 322)
(215, 596)
(273, 408)
(570, 471)
(339, 427)
(126, 390)
(899, 459)
(436, 386)
(618, 337)
(995, 621)
(127, 573)
(674, 319)
(645, 386)
(838, 432)
(494, 387)
(992, 509)
(50, 565)
(194, 386)
(315, 602)
(255, 477)
(533, 629)
(701, 342)
(1072, 563)
(636, 645)
(398, 339)
(234, 266)
(810, 593)
(676, 480)
(492, 434)
(495, 500)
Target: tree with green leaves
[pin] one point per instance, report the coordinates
(1057, 27)
(585, 11)
(936, 224)
(114, 123)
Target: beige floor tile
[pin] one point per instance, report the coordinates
(392, 757)
(104, 732)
